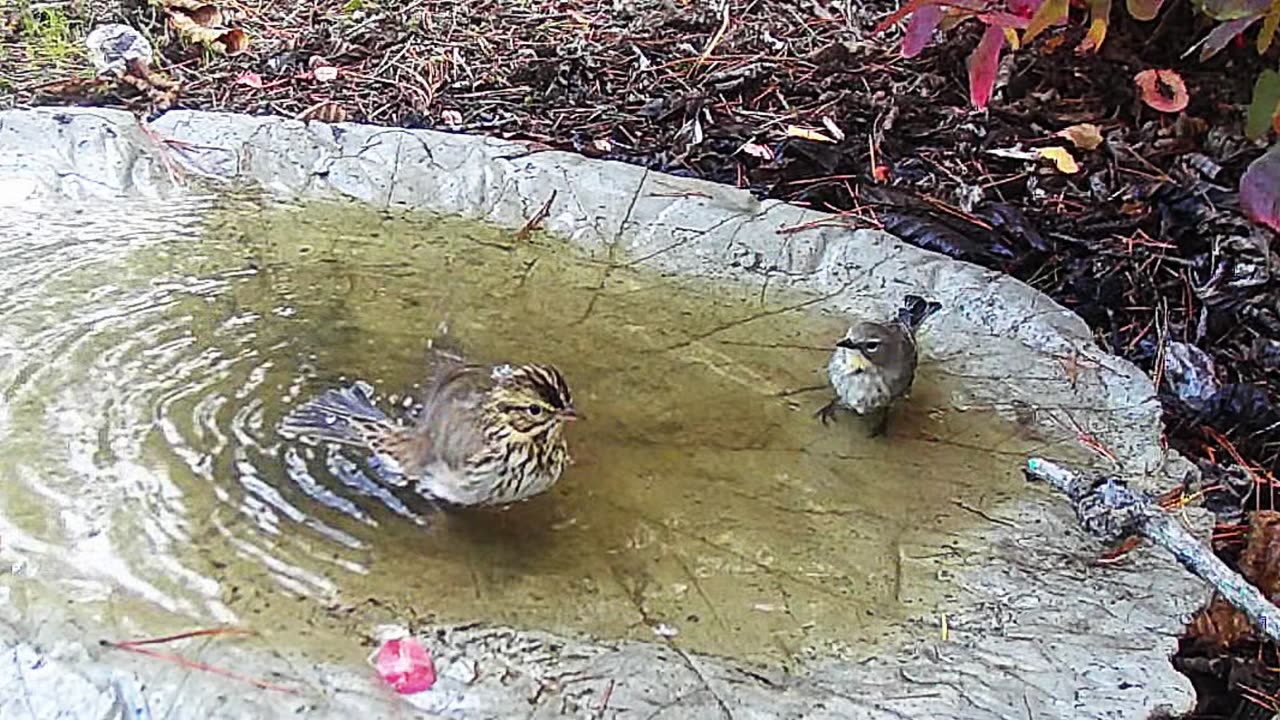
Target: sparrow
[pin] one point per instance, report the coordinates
(485, 435)
(874, 364)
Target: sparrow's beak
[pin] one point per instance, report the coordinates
(571, 413)
(847, 344)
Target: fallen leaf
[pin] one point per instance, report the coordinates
(1260, 189)
(1144, 9)
(451, 117)
(920, 30)
(405, 665)
(1223, 34)
(755, 150)
(1085, 136)
(796, 131)
(1268, 31)
(1265, 105)
(983, 64)
(1061, 158)
(325, 73)
(1099, 17)
(1162, 90)
(1050, 12)
(249, 79)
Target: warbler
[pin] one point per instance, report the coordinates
(874, 365)
(485, 434)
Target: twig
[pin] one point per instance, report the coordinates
(534, 222)
(1112, 511)
(194, 665)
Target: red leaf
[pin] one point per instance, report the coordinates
(405, 666)
(983, 64)
(920, 30)
(1025, 8)
(1260, 189)
(1163, 90)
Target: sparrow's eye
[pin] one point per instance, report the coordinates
(535, 410)
(871, 346)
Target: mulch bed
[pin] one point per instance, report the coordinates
(1146, 242)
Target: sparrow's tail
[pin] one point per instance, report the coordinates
(346, 416)
(915, 310)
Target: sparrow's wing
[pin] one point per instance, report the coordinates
(451, 427)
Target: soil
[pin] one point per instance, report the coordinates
(1146, 241)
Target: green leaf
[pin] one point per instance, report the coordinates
(1268, 31)
(1266, 102)
(1050, 12)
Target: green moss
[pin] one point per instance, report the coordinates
(49, 35)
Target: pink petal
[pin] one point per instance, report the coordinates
(405, 666)
(983, 64)
(1260, 189)
(920, 29)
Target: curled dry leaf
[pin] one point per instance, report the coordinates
(756, 150)
(1085, 136)
(1162, 90)
(249, 79)
(1061, 158)
(204, 23)
(325, 73)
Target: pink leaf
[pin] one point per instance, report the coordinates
(1223, 34)
(983, 64)
(405, 666)
(250, 79)
(920, 29)
(1260, 189)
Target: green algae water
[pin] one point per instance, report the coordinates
(147, 353)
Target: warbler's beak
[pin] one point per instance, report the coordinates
(571, 413)
(855, 360)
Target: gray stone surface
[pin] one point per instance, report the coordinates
(1035, 628)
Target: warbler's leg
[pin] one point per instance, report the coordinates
(827, 412)
(877, 422)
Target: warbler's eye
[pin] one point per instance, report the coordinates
(535, 410)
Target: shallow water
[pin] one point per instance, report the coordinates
(146, 354)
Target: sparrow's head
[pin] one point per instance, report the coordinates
(531, 400)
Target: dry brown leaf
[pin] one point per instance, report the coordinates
(327, 111)
(1222, 626)
(204, 23)
(1085, 136)
(1061, 158)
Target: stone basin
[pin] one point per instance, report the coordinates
(715, 552)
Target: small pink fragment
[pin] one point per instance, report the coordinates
(406, 666)
(253, 80)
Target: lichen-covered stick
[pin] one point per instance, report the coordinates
(1111, 511)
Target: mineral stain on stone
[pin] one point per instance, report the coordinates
(142, 381)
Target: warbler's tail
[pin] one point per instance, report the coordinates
(345, 415)
(915, 310)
